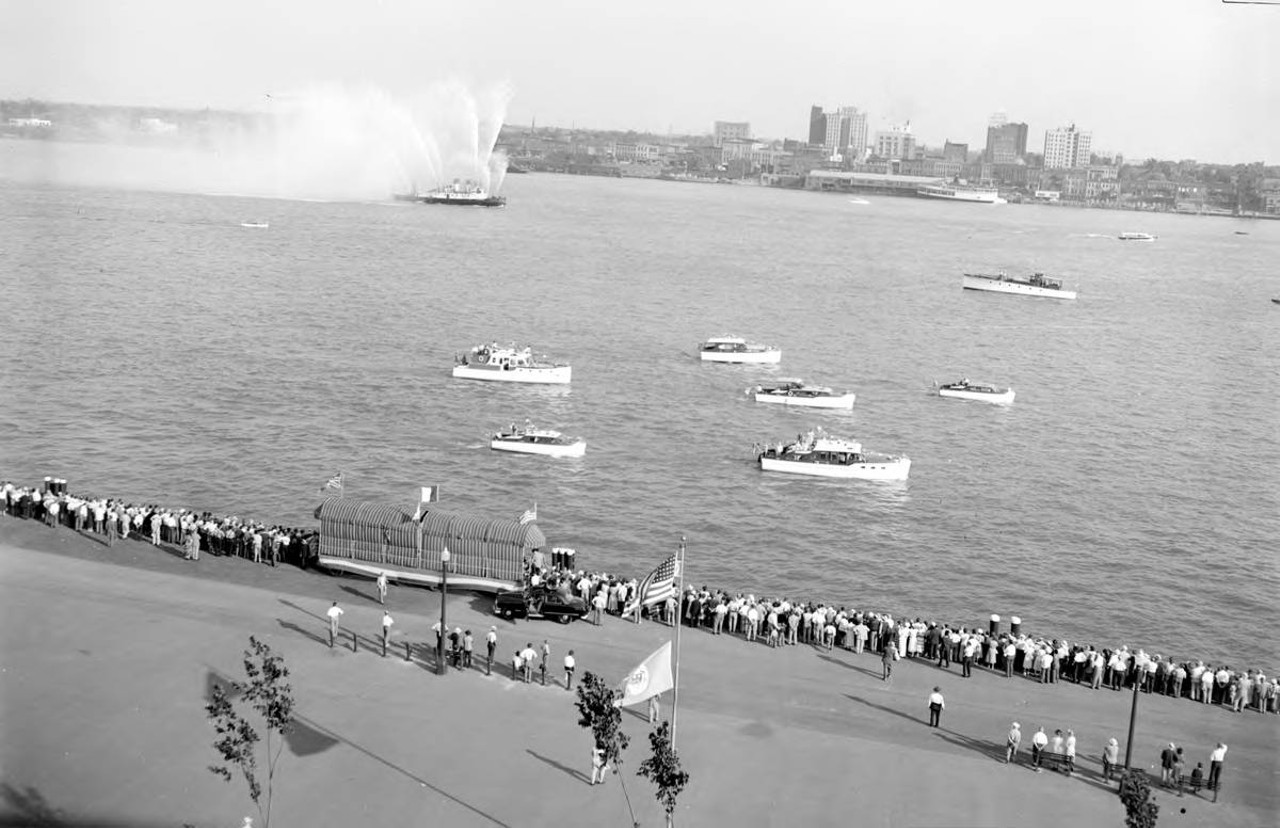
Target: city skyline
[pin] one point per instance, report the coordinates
(1181, 79)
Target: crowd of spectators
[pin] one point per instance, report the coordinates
(777, 622)
(194, 532)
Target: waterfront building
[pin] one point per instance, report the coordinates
(1006, 143)
(853, 131)
(896, 142)
(955, 152)
(838, 181)
(731, 131)
(1066, 148)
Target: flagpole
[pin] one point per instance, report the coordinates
(675, 679)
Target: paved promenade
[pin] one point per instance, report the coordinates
(109, 654)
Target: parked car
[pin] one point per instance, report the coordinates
(539, 602)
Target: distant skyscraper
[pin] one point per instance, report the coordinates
(853, 130)
(731, 131)
(1066, 148)
(817, 126)
(1006, 143)
(998, 119)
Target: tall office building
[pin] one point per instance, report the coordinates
(1066, 148)
(817, 126)
(1006, 143)
(853, 130)
(731, 131)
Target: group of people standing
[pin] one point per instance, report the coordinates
(193, 532)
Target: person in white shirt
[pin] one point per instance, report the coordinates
(387, 621)
(382, 587)
(1038, 743)
(491, 647)
(936, 705)
(334, 612)
(569, 666)
(1216, 758)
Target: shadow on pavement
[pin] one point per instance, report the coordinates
(350, 590)
(289, 625)
(576, 774)
(875, 674)
(920, 720)
(320, 730)
(291, 605)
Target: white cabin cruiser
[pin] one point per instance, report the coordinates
(820, 455)
(530, 440)
(1037, 284)
(510, 364)
(738, 350)
(797, 392)
(965, 390)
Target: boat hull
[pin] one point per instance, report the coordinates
(841, 401)
(999, 399)
(1007, 286)
(895, 469)
(575, 449)
(771, 357)
(557, 375)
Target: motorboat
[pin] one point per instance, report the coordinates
(255, 225)
(737, 350)
(798, 392)
(965, 390)
(529, 440)
(821, 455)
(1037, 284)
(1137, 237)
(509, 364)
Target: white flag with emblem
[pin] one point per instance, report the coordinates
(652, 677)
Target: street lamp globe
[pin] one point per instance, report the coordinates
(444, 555)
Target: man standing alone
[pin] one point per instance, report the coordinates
(491, 644)
(334, 613)
(569, 665)
(1216, 758)
(1012, 743)
(387, 621)
(935, 707)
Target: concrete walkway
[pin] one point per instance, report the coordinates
(109, 655)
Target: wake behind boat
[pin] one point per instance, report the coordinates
(819, 455)
(737, 350)
(797, 392)
(510, 364)
(530, 440)
(1037, 284)
(459, 194)
(965, 390)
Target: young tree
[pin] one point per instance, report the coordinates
(663, 770)
(1135, 793)
(597, 711)
(267, 691)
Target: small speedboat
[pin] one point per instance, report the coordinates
(965, 390)
(797, 392)
(255, 225)
(738, 350)
(1137, 237)
(1037, 284)
(819, 455)
(529, 440)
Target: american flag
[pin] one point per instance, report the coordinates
(334, 484)
(529, 515)
(658, 585)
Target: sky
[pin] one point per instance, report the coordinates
(1169, 79)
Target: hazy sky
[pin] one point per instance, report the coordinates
(1166, 78)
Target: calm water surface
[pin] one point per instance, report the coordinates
(158, 351)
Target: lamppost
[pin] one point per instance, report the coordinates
(442, 666)
(1133, 717)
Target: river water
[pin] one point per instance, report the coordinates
(158, 351)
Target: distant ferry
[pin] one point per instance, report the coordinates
(1037, 284)
(956, 192)
(1137, 237)
(459, 193)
